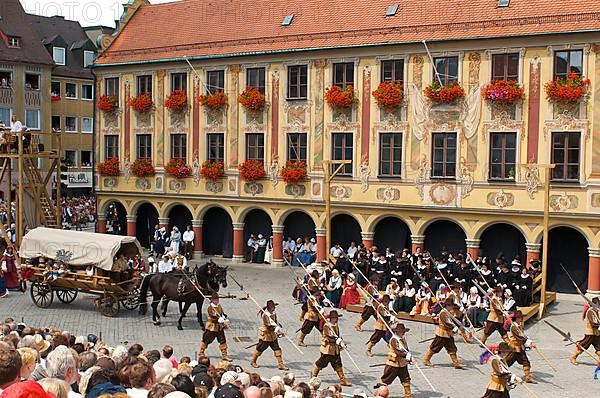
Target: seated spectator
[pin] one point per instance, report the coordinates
(61, 364)
(141, 378)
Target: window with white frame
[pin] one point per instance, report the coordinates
(55, 90)
(87, 124)
(71, 90)
(144, 84)
(70, 158)
(87, 91)
(111, 146)
(59, 55)
(111, 86)
(71, 124)
(5, 116)
(179, 81)
(88, 58)
(32, 119)
(447, 70)
(14, 42)
(32, 81)
(56, 123)
(297, 147)
(86, 158)
(5, 79)
(215, 147)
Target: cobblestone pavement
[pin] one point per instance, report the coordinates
(265, 282)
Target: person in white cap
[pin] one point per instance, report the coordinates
(175, 240)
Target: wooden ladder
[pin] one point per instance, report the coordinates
(41, 196)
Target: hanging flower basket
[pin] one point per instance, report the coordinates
(142, 168)
(341, 98)
(110, 167)
(439, 94)
(142, 103)
(212, 170)
(214, 101)
(176, 101)
(293, 172)
(251, 170)
(569, 91)
(253, 100)
(503, 93)
(107, 103)
(389, 95)
(177, 168)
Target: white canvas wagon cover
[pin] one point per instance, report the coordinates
(78, 248)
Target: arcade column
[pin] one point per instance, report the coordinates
(594, 272)
(238, 242)
(417, 242)
(131, 225)
(473, 247)
(277, 245)
(367, 239)
(101, 224)
(197, 228)
(321, 245)
(533, 252)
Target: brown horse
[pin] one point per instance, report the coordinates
(182, 287)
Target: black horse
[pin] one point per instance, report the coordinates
(182, 287)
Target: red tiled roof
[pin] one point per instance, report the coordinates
(197, 28)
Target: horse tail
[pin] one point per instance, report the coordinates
(143, 299)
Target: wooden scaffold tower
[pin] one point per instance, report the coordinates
(28, 161)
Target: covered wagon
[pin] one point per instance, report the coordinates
(68, 262)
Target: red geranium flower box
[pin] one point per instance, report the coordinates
(340, 98)
(389, 95)
(142, 103)
(176, 101)
(252, 99)
(110, 167)
(214, 101)
(178, 168)
(293, 172)
(142, 168)
(107, 103)
(212, 170)
(567, 91)
(55, 98)
(251, 170)
(439, 94)
(503, 92)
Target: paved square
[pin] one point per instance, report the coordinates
(266, 282)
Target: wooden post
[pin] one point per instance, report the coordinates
(327, 196)
(20, 229)
(9, 184)
(58, 206)
(548, 170)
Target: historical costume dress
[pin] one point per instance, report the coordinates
(350, 294)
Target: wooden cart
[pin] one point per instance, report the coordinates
(112, 281)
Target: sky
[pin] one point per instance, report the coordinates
(87, 12)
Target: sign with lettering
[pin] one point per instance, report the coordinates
(79, 179)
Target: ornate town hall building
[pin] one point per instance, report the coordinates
(434, 167)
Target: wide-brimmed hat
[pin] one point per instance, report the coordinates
(333, 314)
(42, 344)
(401, 328)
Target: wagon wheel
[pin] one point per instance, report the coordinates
(131, 301)
(41, 294)
(109, 305)
(67, 295)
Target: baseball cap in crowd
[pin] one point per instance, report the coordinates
(229, 377)
(228, 391)
(204, 380)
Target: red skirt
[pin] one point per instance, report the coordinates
(350, 296)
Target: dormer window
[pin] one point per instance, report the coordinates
(58, 53)
(13, 42)
(88, 58)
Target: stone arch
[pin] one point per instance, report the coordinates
(298, 224)
(205, 209)
(179, 216)
(421, 229)
(257, 221)
(244, 213)
(393, 232)
(567, 245)
(145, 221)
(345, 228)
(483, 227)
(217, 231)
(502, 237)
(106, 203)
(282, 216)
(579, 229)
(167, 210)
(116, 216)
(443, 232)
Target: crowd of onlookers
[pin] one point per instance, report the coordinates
(418, 283)
(45, 362)
(78, 212)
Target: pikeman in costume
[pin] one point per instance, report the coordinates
(268, 333)
(311, 318)
(312, 282)
(495, 320)
(519, 343)
(369, 308)
(502, 380)
(215, 327)
(331, 346)
(398, 359)
(591, 336)
(444, 336)
(384, 317)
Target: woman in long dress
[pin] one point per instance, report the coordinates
(11, 269)
(350, 293)
(175, 240)
(334, 288)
